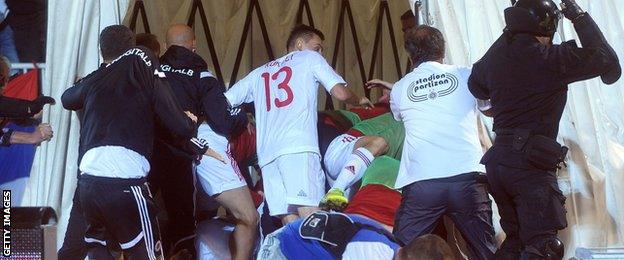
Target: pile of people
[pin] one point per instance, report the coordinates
(370, 182)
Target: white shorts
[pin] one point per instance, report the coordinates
(293, 180)
(337, 154)
(215, 176)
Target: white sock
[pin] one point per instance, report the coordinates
(354, 169)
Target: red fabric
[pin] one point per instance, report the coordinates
(354, 132)
(377, 202)
(243, 146)
(25, 86)
(379, 109)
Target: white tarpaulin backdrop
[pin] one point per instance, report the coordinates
(592, 125)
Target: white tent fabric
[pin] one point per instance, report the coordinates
(592, 124)
(72, 51)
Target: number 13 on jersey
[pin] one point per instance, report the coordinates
(283, 86)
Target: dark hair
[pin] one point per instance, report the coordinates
(115, 40)
(148, 40)
(302, 31)
(427, 247)
(408, 15)
(424, 43)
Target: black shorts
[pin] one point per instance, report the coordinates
(120, 210)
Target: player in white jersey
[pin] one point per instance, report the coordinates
(284, 92)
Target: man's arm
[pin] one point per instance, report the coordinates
(42, 133)
(595, 58)
(170, 112)
(17, 108)
(476, 84)
(344, 94)
(242, 91)
(73, 98)
(333, 83)
(11, 107)
(220, 116)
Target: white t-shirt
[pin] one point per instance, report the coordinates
(440, 117)
(285, 93)
(114, 162)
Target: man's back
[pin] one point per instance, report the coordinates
(120, 102)
(284, 92)
(521, 93)
(527, 81)
(440, 120)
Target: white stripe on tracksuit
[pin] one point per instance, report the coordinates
(146, 223)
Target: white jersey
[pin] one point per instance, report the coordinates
(285, 93)
(440, 116)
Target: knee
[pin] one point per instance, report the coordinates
(249, 218)
(377, 145)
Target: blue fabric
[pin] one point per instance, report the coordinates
(293, 246)
(17, 159)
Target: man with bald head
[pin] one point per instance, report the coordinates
(198, 91)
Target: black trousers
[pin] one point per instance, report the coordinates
(530, 204)
(172, 175)
(120, 211)
(461, 197)
(74, 246)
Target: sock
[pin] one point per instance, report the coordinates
(354, 169)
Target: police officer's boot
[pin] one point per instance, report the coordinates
(550, 248)
(509, 250)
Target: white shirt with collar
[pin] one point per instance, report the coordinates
(440, 117)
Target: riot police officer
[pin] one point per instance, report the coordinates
(525, 77)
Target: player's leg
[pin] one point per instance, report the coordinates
(274, 192)
(95, 235)
(304, 180)
(293, 185)
(228, 185)
(363, 152)
(238, 201)
(135, 225)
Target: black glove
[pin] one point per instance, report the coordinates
(571, 10)
(37, 105)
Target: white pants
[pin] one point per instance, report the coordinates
(214, 176)
(337, 154)
(293, 180)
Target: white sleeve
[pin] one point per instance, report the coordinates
(323, 73)
(242, 91)
(395, 101)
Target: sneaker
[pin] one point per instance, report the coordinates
(334, 200)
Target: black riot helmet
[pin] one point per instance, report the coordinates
(537, 17)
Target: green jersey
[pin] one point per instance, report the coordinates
(383, 170)
(385, 126)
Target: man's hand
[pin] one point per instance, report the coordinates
(191, 116)
(42, 133)
(366, 103)
(37, 105)
(571, 10)
(214, 154)
(377, 83)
